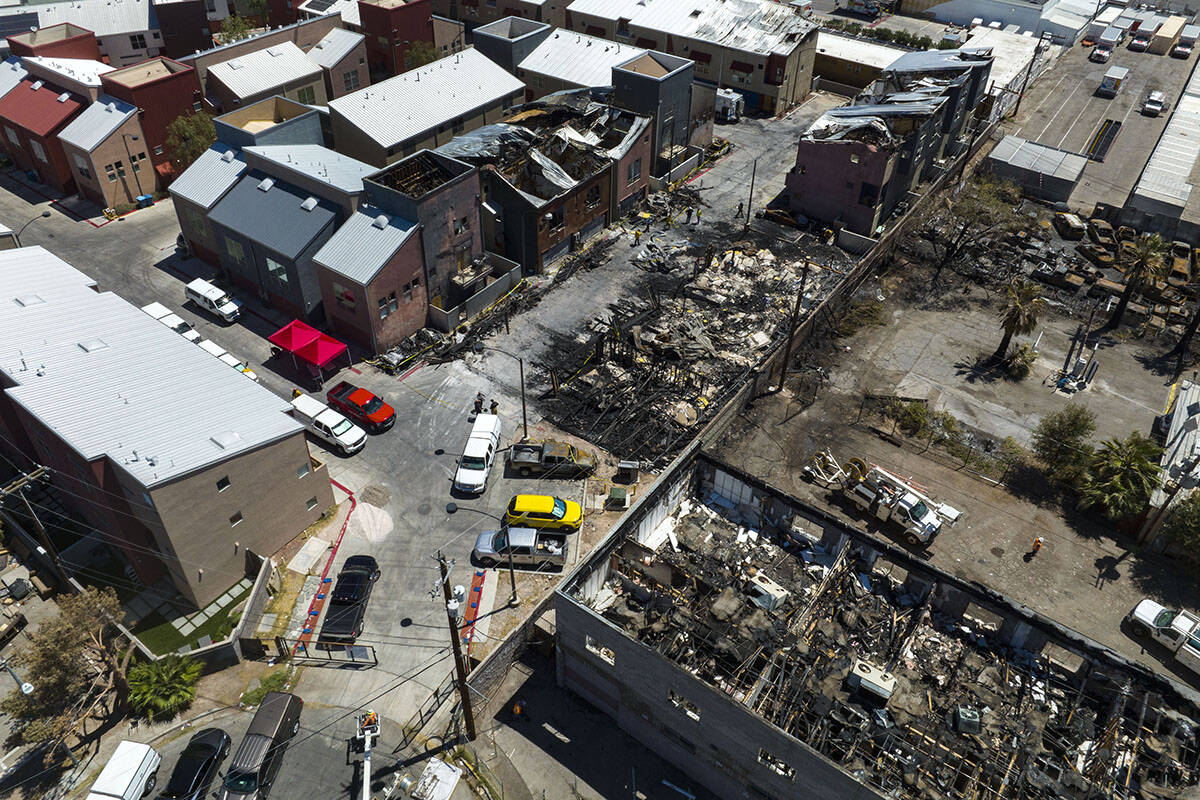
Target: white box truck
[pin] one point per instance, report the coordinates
(328, 425)
(1110, 84)
(1187, 41)
(131, 773)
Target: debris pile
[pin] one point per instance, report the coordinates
(858, 660)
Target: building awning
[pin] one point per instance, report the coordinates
(700, 57)
(742, 66)
(311, 345)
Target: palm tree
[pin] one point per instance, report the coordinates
(1144, 262)
(164, 687)
(1023, 305)
(1121, 476)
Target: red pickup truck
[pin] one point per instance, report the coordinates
(362, 407)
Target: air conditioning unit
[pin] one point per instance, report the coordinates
(766, 593)
(872, 680)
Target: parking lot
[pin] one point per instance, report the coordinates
(1063, 110)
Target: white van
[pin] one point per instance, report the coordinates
(476, 462)
(130, 774)
(328, 425)
(213, 300)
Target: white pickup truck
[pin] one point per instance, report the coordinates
(130, 774)
(1174, 630)
(328, 425)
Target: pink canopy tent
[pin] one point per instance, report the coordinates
(314, 348)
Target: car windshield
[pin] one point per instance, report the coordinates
(473, 462)
(560, 509)
(372, 405)
(920, 510)
(241, 782)
(342, 427)
(1163, 620)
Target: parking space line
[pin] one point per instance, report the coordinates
(1059, 111)
(1074, 122)
(314, 608)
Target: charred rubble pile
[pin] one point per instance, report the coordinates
(856, 660)
(645, 374)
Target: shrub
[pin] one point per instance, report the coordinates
(1020, 363)
(163, 688)
(1060, 441)
(275, 682)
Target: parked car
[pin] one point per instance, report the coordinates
(1069, 226)
(1101, 53)
(361, 406)
(525, 546)
(1154, 104)
(198, 765)
(478, 454)
(559, 459)
(131, 773)
(543, 511)
(256, 762)
(348, 600)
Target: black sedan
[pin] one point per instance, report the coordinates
(348, 601)
(198, 766)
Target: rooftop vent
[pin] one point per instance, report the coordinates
(266, 184)
(110, 108)
(227, 156)
(92, 345)
(64, 97)
(37, 85)
(274, 51)
(235, 64)
(27, 300)
(309, 204)
(225, 439)
(380, 222)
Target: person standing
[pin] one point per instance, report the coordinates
(478, 403)
(495, 407)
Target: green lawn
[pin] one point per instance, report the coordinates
(158, 634)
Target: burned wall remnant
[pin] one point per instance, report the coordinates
(778, 651)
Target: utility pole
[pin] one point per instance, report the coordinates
(16, 487)
(787, 350)
(464, 693)
(750, 199)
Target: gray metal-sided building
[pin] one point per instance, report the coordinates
(1040, 170)
(769, 651)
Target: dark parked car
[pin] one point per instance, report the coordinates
(348, 600)
(198, 766)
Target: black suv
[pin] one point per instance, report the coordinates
(348, 601)
(198, 765)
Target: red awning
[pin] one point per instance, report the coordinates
(303, 340)
(741, 66)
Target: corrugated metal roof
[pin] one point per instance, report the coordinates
(81, 70)
(38, 110)
(1166, 177)
(1038, 158)
(264, 70)
(321, 163)
(11, 73)
(210, 176)
(336, 45)
(749, 25)
(97, 122)
(859, 51)
(578, 59)
(274, 218)
(111, 381)
(410, 104)
(101, 17)
(362, 246)
(1183, 440)
(348, 9)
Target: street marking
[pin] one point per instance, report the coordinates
(1059, 111)
(1074, 122)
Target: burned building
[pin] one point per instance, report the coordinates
(770, 651)
(856, 164)
(554, 174)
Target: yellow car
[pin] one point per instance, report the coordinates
(543, 511)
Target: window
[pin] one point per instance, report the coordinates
(303, 470)
(350, 79)
(685, 743)
(12, 136)
(235, 520)
(868, 195)
(462, 225)
(408, 287)
(223, 484)
(557, 219)
(110, 172)
(593, 196)
(276, 270)
(137, 41)
(388, 305)
(623, 28)
(81, 166)
(392, 303)
(311, 504)
(120, 165)
(235, 250)
(775, 765)
(158, 150)
(306, 95)
(684, 705)
(854, 158)
(344, 297)
(137, 160)
(606, 654)
(634, 173)
(196, 106)
(38, 150)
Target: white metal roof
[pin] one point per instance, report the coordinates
(314, 161)
(348, 9)
(264, 70)
(11, 73)
(1183, 440)
(1011, 54)
(112, 382)
(81, 70)
(210, 176)
(1038, 158)
(858, 51)
(101, 17)
(416, 101)
(336, 45)
(97, 122)
(361, 247)
(749, 25)
(578, 59)
(1166, 177)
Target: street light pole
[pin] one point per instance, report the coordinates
(17, 235)
(132, 164)
(479, 348)
(25, 686)
(512, 572)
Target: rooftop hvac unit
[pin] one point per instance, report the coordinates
(766, 593)
(872, 680)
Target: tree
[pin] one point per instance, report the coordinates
(188, 136)
(76, 662)
(234, 29)
(1185, 341)
(1143, 261)
(1023, 306)
(1121, 476)
(163, 688)
(1060, 441)
(420, 53)
(1182, 526)
(982, 209)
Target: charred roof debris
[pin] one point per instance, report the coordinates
(913, 682)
